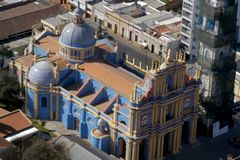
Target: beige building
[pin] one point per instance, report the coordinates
(156, 30)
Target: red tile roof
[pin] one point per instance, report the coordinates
(3, 111)
(13, 122)
(114, 78)
(5, 144)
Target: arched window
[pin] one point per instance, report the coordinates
(44, 102)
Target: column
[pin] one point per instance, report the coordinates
(160, 145)
(51, 102)
(154, 147)
(113, 137)
(179, 137)
(26, 96)
(36, 101)
(135, 150)
(130, 124)
(193, 130)
(150, 147)
(196, 98)
(176, 140)
(21, 79)
(164, 114)
(137, 121)
(115, 114)
(57, 104)
(163, 85)
(175, 109)
(128, 150)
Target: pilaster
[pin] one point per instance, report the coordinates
(150, 147)
(131, 120)
(26, 97)
(160, 144)
(57, 104)
(113, 136)
(51, 103)
(36, 101)
(193, 130)
(128, 150)
(135, 150)
(21, 79)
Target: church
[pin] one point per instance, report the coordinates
(78, 80)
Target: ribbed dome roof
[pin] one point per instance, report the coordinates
(42, 73)
(77, 36)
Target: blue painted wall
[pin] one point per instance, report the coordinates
(39, 51)
(43, 111)
(30, 110)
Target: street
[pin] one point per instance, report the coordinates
(207, 148)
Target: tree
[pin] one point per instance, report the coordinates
(40, 150)
(9, 89)
(5, 52)
(34, 149)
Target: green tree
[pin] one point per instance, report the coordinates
(9, 90)
(40, 150)
(34, 149)
(5, 52)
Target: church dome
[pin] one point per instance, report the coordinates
(77, 36)
(42, 73)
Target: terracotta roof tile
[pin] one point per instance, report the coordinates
(3, 112)
(13, 122)
(117, 79)
(5, 144)
(26, 61)
(50, 43)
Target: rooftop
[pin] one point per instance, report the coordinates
(13, 122)
(120, 80)
(21, 18)
(77, 146)
(5, 144)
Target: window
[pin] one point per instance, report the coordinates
(144, 120)
(136, 38)
(109, 26)
(44, 102)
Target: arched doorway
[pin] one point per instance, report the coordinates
(121, 148)
(143, 150)
(185, 132)
(76, 124)
(166, 145)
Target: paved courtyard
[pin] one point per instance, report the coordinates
(208, 148)
(59, 128)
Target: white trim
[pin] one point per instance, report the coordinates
(22, 134)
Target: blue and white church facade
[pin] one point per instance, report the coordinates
(77, 80)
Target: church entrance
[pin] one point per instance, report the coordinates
(143, 150)
(167, 144)
(122, 148)
(185, 132)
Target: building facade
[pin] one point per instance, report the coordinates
(215, 32)
(68, 79)
(187, 28)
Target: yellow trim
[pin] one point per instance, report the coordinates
(35, 104)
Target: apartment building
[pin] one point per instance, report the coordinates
(188, 18)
